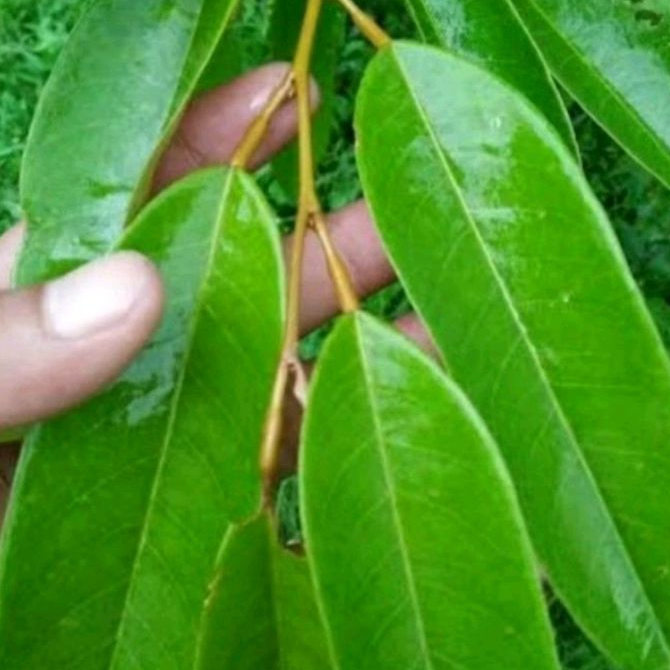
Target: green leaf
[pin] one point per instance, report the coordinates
(416, 542)
(262, 614)
(243, 46)
(215, 17)
(489, 32)
(227, 61)
(613, 58)
(120, 508)
(285, 23)
(114, 97)
(513, 265)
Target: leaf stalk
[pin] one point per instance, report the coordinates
(371, 30)
(259, 128)
(346, 293)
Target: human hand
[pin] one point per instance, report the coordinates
(63, 342)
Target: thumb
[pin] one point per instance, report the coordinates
(64, 341)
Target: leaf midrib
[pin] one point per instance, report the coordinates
(380, 441)
(175, 405)
(559, 413)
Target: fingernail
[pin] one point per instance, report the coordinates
(95, 297)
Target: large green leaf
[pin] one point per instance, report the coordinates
(285, 23)
(261, 614)
(490, 33)
(613, 56)
(113, 99)
(120, 508)
(417, 546)
(513, 265)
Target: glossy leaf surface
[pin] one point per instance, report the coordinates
(489, 32)
(514, 267)
(120, 508)
(261, 614)
(417, 547)
(285, 23)
(118, 89)
(613, 56)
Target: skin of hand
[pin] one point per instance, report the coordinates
(104, 312)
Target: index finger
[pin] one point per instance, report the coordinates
(215, 123)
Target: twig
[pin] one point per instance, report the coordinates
(346, 293)
(309, 216)
(308, 205)
(259, 127)
(366, 24)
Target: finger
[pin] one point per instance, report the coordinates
(63, 342)
(215, 124)
(10, 244)
(413, 328)
(356, 240)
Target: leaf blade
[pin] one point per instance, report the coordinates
(276, 623)
(492, 35)
(101, 120)
(386, 534)
(612, 57)
(509, 231)
(139, 529)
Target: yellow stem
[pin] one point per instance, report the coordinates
(259, 127)
(308, 205)
(346, 293)
(309, 216)
(366, 24)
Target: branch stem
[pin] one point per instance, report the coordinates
(346, 293)
(309, 215)
(259, 127)
(366, 24)
(307, 207)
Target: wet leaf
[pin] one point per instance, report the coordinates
(416, 542)
(120, 508)
(613, 58)
(489, 32)
(113, 99)
(513, 265)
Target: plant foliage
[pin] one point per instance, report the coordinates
(141, 532)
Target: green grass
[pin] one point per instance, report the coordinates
(32, 32)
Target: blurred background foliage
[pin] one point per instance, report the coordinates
(32, 32)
